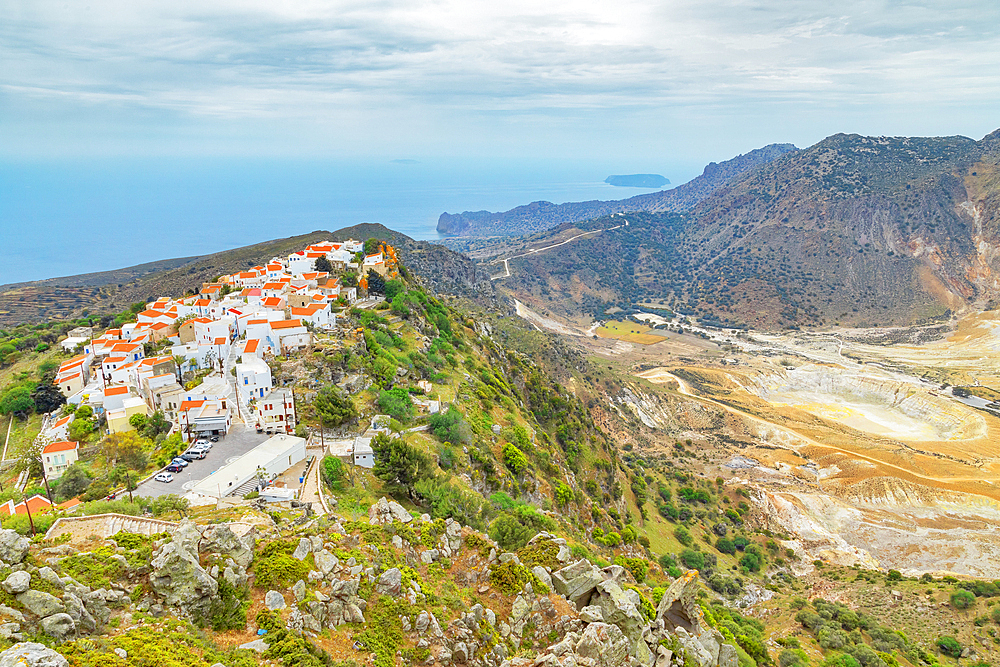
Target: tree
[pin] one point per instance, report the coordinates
(563, 493)
(333, 408)
(179, 362)
(17, 401)
(683, 536)
(333, 472)
(398, 464)
(372, 246)
(323, 264)
(393, 287)
(376, 283)
(396, 402)
(170, 503)
(47, 397)
(156, 425)
(128, 448)
(138, 421)
(73, 482)
(450, 426)
(79, 429)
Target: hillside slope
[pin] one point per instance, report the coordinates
(853, 230)
(541, 215)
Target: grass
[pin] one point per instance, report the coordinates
(628, 331)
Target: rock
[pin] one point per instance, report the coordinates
(41, 604)
(47, 574)
(30, 654)
(10, 630)
(543, 575)
(429, 556)
(642, 654)
(220, 539)
(577, 581)
(663, 656)
(728, 656)
(397, 541)
(621, 609)
(592, 614)
(13, 547)
(390, 583)
(258, 645)
(178, 577)
(326, 562)
(17, 582)
(460, 653)
(423, 621)
(605, 644)
(303, 549)
(123, 654)
(274, 601)
(78, 612)
(299, 590)
(59, 626)
(386, 512)
(11, 612)
(614, 573)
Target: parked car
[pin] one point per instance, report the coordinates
(201, 441)
(164, 477)
(194, 455)
(173, 467)
(214, 438)
(181, 462)
(207, 446)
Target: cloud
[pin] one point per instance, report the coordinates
(480, 76)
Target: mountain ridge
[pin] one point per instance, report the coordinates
(540, 215)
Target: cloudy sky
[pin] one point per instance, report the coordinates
(696, 79)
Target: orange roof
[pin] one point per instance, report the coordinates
(187, 405)
(276, 285)
(35, 504)
(151, 313)
(160, 325)
(61, 446)
(201, 320)
(272, 301)
(308, 310)
(62, 421)
(314, 255)
(220, 341)
(116, 391)
(202, 302)
(210, 289)
(124, 347)
(256, 322)
(250, 348)
(69, 504)
(248, 274)
(63, 378)
(286, 324)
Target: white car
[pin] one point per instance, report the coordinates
(164, 477)
(202, 447)
(201, 441)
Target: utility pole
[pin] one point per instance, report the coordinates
(31, 522)
(45, 478)
(128, 485)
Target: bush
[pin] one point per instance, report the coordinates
(683, 536)
(514, 458)
(513, 530)
(333, 472)
(962, 599)
(276, 568)
(725, 546)
(693, 560)
(450, 426)
(564, 494)
(637, 567)
(949, 646)
(396, 402)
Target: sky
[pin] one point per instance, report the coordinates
(692, 80)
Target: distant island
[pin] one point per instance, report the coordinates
(637, 181)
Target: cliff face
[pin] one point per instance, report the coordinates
(541, 215)
(853, 230)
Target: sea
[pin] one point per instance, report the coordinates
(69, 217)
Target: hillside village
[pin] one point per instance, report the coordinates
(318, 462)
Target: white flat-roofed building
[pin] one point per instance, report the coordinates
(272, 457)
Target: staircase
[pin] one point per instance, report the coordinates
(246, 487)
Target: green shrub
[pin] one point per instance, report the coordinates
(514, 458)
(962, 599)
(949, 646)
(683, 536)
(275, 567)
(637, 567)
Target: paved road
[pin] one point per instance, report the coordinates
(239, 441)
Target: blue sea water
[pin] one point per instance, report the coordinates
(63, 218)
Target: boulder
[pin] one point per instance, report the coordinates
(17, 582)
(577, 582)
(326, 562)
(221, 539)
(48, 575)
(78, 612)
(605, 644)
(303, 549)
(728, 656)
(592, 614)
(299, 590)
(30, 654)
(460, 653)
(59, 626)
(386, 512)
(41, 604)
(390, 583)
(543, 575)
(13, 546)
(621, 609)
(179, 578)
(274, 600)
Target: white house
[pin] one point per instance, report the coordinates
(276, 411)
(57, 456)
(292, 335)
(318, 314)
(253, 378)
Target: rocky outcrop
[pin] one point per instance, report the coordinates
(30, 654)
(386, 512)
(13, 546)
(178, 577)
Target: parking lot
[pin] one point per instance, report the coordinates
(239, 441)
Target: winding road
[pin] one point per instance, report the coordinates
(533, 251)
